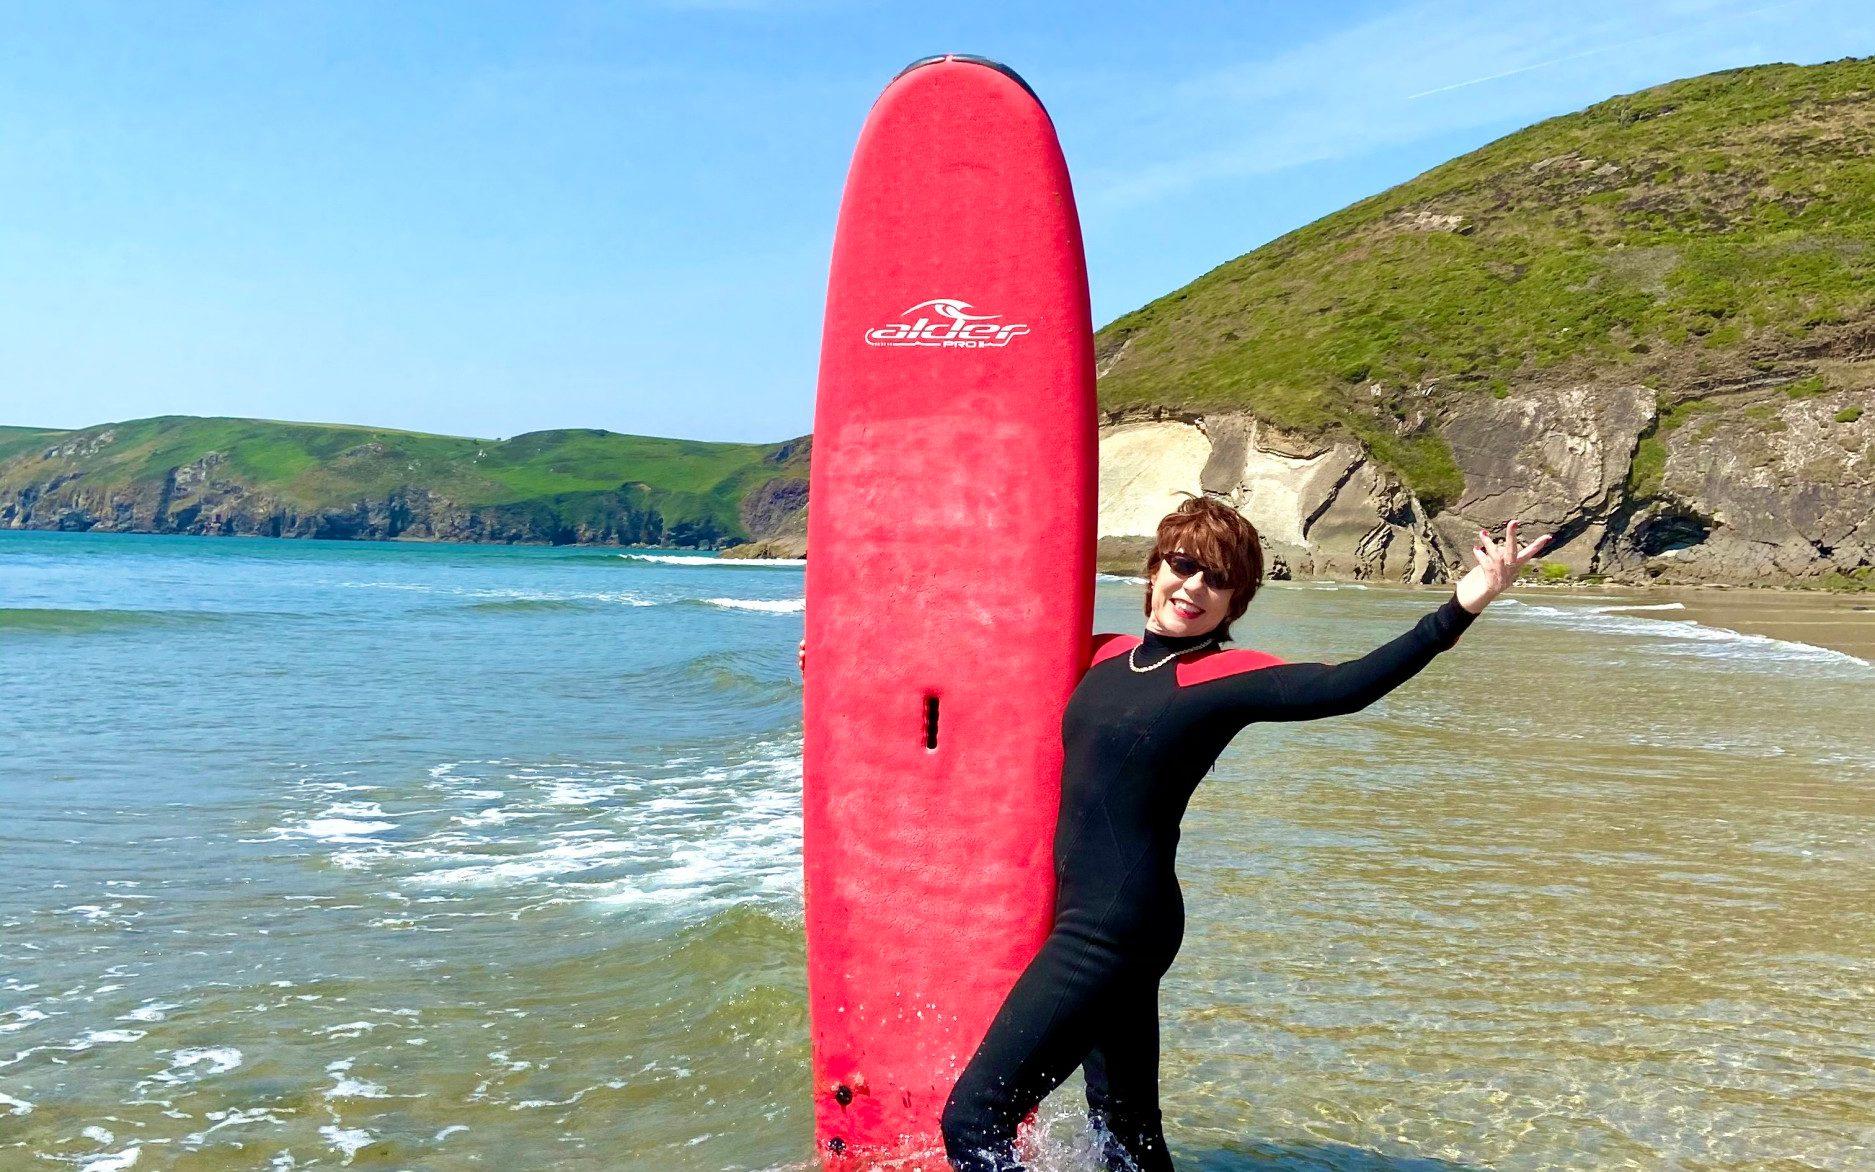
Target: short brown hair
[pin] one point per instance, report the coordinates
(1220, 537)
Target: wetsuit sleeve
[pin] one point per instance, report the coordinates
(1309, 691)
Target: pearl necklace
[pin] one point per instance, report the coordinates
(1132, 663)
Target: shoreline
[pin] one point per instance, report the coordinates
(1839, 620)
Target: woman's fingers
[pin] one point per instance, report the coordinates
(1490, 547)
(1493, 560)
(1504, 560)
(1515, 552)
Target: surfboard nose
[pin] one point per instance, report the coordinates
(970, 59)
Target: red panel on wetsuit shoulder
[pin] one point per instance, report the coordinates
(954, 454)
(1108, 646)
(1216, 665)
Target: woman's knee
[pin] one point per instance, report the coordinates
(978, 1134)
(1132, 1138)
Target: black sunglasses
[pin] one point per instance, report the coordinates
(1184, 565)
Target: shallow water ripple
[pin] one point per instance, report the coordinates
(322, 854)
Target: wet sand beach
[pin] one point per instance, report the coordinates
(1841, 621)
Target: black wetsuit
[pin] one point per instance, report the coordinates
(1137, 744)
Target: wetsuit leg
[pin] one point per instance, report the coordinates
(1122, 1073)
(1041, 1033)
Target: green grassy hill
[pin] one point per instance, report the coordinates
(185, 474)
(20, 439)
(1686, 235)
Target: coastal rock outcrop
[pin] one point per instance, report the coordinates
(1748, 487)
(774, 512)
(1323, 508)
(1755, 487)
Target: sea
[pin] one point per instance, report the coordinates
(328, 854)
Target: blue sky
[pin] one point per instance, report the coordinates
(486, 219)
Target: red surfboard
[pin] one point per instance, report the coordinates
(949, 593)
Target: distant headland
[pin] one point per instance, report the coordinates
(263, 478)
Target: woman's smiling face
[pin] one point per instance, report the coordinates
(1184, 605)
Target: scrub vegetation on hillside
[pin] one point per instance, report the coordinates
(1688, 232)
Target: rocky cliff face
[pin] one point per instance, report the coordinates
(1742, 485)
(1755, 479)
(775, 511)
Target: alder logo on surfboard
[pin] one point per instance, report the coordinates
(946, 321)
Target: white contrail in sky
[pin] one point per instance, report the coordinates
(1459, 85)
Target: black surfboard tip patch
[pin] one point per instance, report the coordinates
(998, 66)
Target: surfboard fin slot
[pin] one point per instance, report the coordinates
(930, 722)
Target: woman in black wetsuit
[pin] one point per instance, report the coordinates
(1141, 729)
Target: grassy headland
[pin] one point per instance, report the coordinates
(1695, 232)
(186, 474)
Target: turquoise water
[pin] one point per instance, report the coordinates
(442, 856)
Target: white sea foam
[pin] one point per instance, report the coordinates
(150, 1011)
(691, 559)
(12, 1106)
(495, 816)
(558, 858)
(340, 822)
(349, 1141)
(114, 914)
(619, 597)
(744, 843)
(22, 1017)
(210, 1059)
(344, 1086)
(234, 1117)
(509, 594)
(770, 605)
(335, 829)
(106, 1037)
(110, 1161)
(680, 838)
(577, 793)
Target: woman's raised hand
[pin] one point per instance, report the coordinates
(1498, 566)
